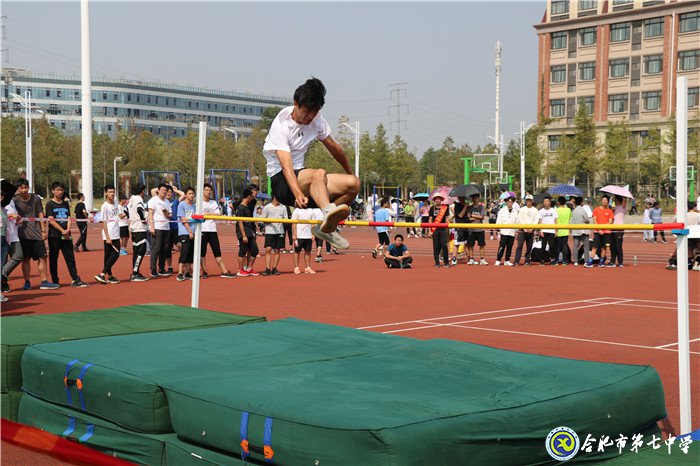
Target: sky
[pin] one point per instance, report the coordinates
(444, 51)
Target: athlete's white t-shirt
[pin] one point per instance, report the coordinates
(288, 135)
(303, 229)
(123, 221)
(110, 215)
(548, 217)
(160, 221)
(11, 232)
(210, 207)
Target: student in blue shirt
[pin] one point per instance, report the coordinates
(382, 215)
(397, 255)
(185, 233)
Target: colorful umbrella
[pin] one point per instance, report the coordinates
(264, 196)
(444, 192)
(506, 195)
(617, 190)
(565, 190)
(421, 196)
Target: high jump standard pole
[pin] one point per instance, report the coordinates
(682, 254)
(197, 260)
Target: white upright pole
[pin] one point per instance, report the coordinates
(682, 252)
(86, 103)
(201, 156)
(357, 149)
(28, 139)
(522, 161)
(115, 175)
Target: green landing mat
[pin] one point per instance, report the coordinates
(179, 453)
(21, 331)
(346, 397)
(10, 405)
(659, 457)
(94, 432)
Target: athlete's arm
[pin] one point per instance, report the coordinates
(285, 159)
(338, 154)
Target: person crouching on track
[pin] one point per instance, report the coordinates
(440, 213)
(397, 255)
(245, 232)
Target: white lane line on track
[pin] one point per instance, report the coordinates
(675, 343)
(434, 324)
(645, 300)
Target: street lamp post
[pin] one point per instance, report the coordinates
(26, 103)
(235, 133)
(116, 186)
(523, 130)
(356, 132)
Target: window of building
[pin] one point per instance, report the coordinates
(553, 142)
(693, 97)
(619, 32)
(560, 7)
(175, 102)
(115, 111)
(156, 100)
(58, 93)
(588, 102)
(617, 103)
(619, 68)
(227, 107)
(587, 4)
(689, 60)
(104, 96)
(558, 73)
(109, 127)
(690, 21)
(18, 90)
(48, 92)
(587, 36)
(63, 125)
(558, 40)
(651, 100)
(128, 97)
(216, 106)
(653, 64)
(557, 108)
(115, 96)
(138, 98)
(182, 132)
(586, 71)
(654, 27)
(621, 2)
(77, 94)
(148, 99)
(189, 104)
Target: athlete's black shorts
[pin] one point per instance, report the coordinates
(251, 247)
(124, 232)
(383, 238)
(476, 237)
(304, 244)
(186, 249)
(33, 249)
(211, 238)
(280, 189)
(601, 240)
(462, 235)
(274, 241)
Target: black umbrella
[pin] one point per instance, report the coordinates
(8, 190)
(539, 198)
(465, 190)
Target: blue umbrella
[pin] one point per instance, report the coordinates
(421, 196)
(565, 190)
(264, 196)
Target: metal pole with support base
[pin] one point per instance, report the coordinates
(197, 260)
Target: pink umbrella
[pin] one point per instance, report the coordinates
(618, 190)
(444, 192)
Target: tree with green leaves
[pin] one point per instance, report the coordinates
(615, 161)
(653, 161)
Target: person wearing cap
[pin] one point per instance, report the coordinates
(440, 213)
(527, 215)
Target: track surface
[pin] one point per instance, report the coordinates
(613, 315)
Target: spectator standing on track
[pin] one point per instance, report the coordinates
(527, 215)
(460, 216)
(410, 213)
(382, 215)
(123, 225)
(475, 214)
(424, 212)
(507, 215)
(184, 212)
(158, 215)
(58, 213)
(288, 231)
(440, 213)
(138, 224)
(548, 216)
(173, 196)
(562, 254)
(245, 232)
(14, 256)
(209, 235)
(656, 218)
(616, 253)
(274, 236)
(493, 210)
(580, 216)
(32, 234)
(302, 239)
(82, 216)
(602, 215)
(110, 236)
(259, 226)
(397, 255)
(647, 235)
(318, 215)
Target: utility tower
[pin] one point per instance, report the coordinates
(497, 136)
(395, 89)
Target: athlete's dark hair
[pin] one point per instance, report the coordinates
(562, 200)
(81, 196)
(253, 186)
(23, 182)
(398, 236)
(57, 184)
(207, 185)
(578, 200)
(109, 186)
(246, 193)
(189, 188)
(163, 185)
(122, 197)
(605, 196)
(385, 200)
(311, 94)
(138, 189)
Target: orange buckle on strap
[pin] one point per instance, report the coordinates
(269, 452)
(65, 381)
(79, 384)
(244, 446)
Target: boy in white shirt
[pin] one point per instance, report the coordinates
(209, 235)
(287, 141)
(158, 222)
(548, 216)
(301, 232)
(110, 236)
